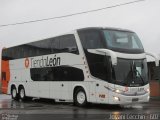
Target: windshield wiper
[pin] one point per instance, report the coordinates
(128, 77)
(136, 71)
(140, 76)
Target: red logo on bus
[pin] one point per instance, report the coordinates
(26, 62)
(126, 89)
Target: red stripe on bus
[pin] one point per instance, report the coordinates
(5, 76)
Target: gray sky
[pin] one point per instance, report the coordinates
(142, 17)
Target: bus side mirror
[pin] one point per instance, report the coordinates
(156, 59)
(111, 54)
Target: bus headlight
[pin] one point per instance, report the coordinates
(116, 98)
(118, 91)
(148, 90)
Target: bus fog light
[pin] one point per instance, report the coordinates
(116, 98)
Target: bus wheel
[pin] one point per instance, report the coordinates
(14, 93)
(22, 94)
(80, 98)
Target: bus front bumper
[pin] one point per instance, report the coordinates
(124, 99)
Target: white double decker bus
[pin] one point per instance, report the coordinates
(96, 65)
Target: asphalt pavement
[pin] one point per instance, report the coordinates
(42, 109)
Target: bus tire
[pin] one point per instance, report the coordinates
(22, 94)
(80, 98)
(14, 93)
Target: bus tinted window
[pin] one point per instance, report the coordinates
(122, 41)
(61, 73)
(91, 39)
(68, 44)
(42, 47)
(8, 54)
(55, 45)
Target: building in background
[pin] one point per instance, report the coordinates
(154, 74)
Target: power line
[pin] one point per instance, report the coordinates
(73, 14)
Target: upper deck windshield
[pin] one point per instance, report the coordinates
(113, 39)
(122, 41)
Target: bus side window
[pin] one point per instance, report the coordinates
(10, 53)
(57, 74)
(68, 74)
(55, 45)
(68, 44)
(91, 39)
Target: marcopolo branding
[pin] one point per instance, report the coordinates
(45, 61)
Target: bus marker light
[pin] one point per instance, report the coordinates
(26, 62)
(126, 88)
(148, 90)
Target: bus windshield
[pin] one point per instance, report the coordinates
(122, 41)
(131, 72)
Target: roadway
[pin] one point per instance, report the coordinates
(48, 110)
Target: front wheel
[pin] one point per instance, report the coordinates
(80, 98)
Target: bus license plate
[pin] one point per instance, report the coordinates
(134, 99)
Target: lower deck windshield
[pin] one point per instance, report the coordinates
(131, 72)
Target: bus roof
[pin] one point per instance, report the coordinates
(73, 31)
(103, 28)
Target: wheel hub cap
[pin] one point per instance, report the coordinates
(81, 97)
(14, 92)
(22, 93)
